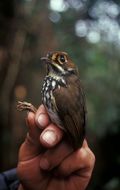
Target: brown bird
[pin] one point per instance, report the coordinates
(63, 97)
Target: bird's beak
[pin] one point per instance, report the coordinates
(44, 59)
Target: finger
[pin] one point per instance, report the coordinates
(41, 117)
(53, 157)
(33, 131)
(83, 163)
(31, 146)
(51, 136)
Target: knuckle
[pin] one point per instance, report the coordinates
(82, 153)
(87, 156)
(91, 161)
(93, 158)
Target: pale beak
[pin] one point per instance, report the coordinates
(44, 58)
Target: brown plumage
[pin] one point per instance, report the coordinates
(71, 110)
(66, 106)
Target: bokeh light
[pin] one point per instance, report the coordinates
(20, 92)
(59, 6)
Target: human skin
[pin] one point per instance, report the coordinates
(48, 162)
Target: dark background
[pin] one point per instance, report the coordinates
(89, 30)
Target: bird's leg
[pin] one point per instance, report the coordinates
(25, 106)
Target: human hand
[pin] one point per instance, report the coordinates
(47, 162)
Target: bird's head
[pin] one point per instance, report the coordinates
(59, 63)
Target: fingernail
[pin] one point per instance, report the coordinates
(49, 137)
(42, 120)
(44, 164)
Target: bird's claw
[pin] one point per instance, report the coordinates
(22, 106)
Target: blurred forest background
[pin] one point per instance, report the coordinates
(89, 30)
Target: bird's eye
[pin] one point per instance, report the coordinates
(62, 58)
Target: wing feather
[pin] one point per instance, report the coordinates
(70, 102)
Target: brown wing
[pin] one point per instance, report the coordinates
(71, 110)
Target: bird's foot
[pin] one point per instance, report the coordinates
(25, 106)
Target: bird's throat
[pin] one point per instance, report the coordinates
(55, 76)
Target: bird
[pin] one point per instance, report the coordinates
(63, 97)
